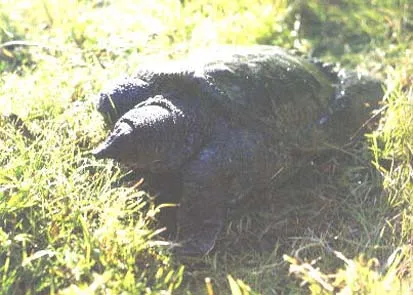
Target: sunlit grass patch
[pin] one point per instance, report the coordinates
(392, 147)
(359, 276)
(64, 223)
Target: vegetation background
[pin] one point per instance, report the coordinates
(342, 225)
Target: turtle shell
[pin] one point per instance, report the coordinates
(256, 84)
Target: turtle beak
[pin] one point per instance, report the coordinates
(106, 149)
(101, 151)
(115, 143)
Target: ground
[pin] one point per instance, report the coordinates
(342, 224)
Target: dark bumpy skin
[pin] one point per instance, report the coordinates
(229, 121)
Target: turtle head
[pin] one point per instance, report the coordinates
(156, 135)
(120, 96)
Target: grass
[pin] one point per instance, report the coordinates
(343, 224)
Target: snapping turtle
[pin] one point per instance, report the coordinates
(229, 121)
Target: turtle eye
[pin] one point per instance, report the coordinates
(108, 109)
(107, 118)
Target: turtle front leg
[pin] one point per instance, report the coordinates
(200, 218)
(226, 169)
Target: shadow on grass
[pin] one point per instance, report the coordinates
(334, 203)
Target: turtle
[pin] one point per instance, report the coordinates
(227, 122)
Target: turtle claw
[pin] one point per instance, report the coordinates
(195, 248)
(199, 240)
